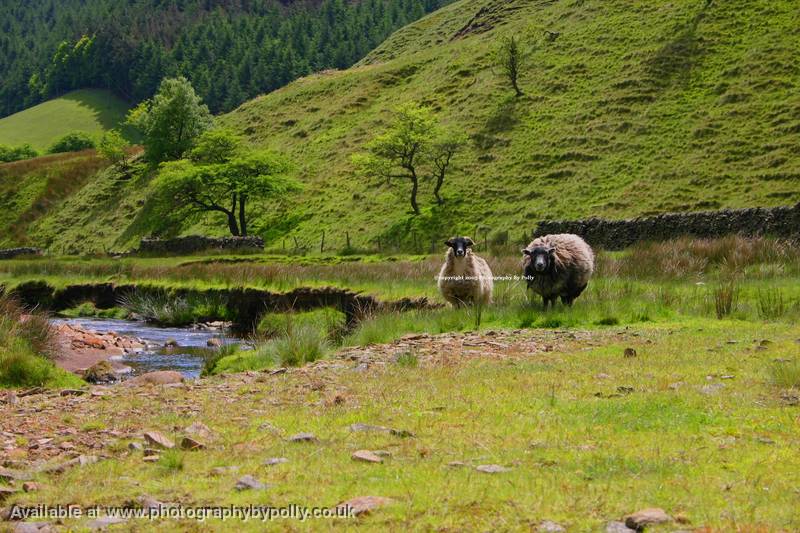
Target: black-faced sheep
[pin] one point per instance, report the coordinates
(465, 278)
(558, 266)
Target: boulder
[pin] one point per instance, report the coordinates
(101, 372)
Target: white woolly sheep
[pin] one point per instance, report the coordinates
(465, 278)
(558, 265)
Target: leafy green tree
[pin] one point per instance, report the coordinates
(400, 152)
(222, 176)
(73, 142)
(171, 121)
(114, 148)
(414, 147)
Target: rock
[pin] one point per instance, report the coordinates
(6, 493)
(249, 483)
(364, 504)
(14, 475)
(135, 446)
(150, 452)
(492, 469)
(198, 429)
(72, 392)
(190, 444)
(101, 372)
(162, 377)
(630, 352)
(171, 343)
(11, 398)
(148, 502)
(457, 464)
(276, 461)
(548, 526)
(30, 486)
(646, 517)
(214, 343)
(365, 428)
(618, 527)
(151, 458)
(366, 456)
(303, 437)
(106, 521)
(154, 438)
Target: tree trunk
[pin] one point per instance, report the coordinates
(414, 190)
(439, 183)
(232, 225)
(242, 215)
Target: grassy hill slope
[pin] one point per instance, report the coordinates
(635, 108)
(89, 110)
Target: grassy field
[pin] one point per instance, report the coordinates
(672, 383)
(701, 428)
(635, 108)
(87, 110)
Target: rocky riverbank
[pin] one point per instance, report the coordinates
(80, 349)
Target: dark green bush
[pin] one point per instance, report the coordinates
(18, 153)
(73, 142)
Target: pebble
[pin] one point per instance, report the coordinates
(303, 437)
(492, 469)
(276, 461)
(548, 526)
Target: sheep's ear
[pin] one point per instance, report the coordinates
(449, 243)
(525, 251)
(551, 250)
(468, 241)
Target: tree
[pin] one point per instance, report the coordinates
(114, 148)
(510, 60)
(171, 120)
(443, 150)
(414, 147)
(400, 152)
(221, 176)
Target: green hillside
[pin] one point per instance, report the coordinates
(636, 107)
(89, 110)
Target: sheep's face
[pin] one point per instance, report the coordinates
(541, 258)
(460, 245)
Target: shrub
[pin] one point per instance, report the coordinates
(73, 142)
(9, 154)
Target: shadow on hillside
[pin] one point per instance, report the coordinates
(678, 56)
(105, 108)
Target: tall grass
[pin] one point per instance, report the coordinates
(26, 346)
(165, 309)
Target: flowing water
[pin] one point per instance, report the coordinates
(153, 357)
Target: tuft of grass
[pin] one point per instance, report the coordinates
(26, 346)
(785, 374)
(165, 309)
(771, 304)
(407, 359)
(726, 298)
(171, 461)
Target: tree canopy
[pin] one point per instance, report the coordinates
(222, 176)
(171, 121)
(414, 147)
